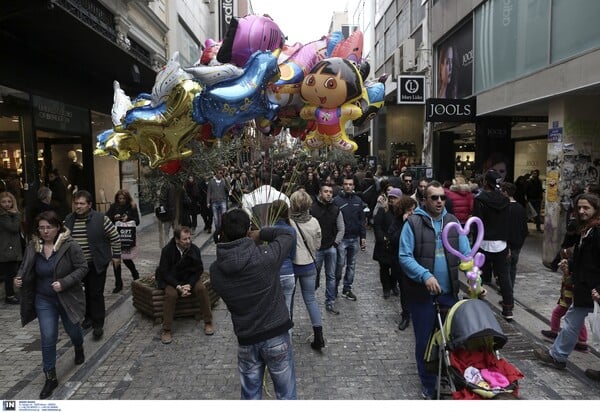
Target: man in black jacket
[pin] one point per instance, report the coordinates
(492, 208)
(352, 209)
(246, 277)
(332, 231)
(178, 273)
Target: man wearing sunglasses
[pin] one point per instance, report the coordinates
(431, 271)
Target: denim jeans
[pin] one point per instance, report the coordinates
(330, 257)
(347, 251)
(277, 355)
(424, 319)
(219, 208)
(288, 285)
(568, 336)
(307, 285)
(48, 310)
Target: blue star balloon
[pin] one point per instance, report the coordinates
(241, 99)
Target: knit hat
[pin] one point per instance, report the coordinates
(493, 178)
(395, 192)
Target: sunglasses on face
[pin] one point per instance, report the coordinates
(438, 197)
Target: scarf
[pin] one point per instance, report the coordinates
(300, 217)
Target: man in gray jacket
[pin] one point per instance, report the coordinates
(101, 244)
(246, 277)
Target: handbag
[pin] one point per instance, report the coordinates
(127, 233)
(594, 322)
(531, 213)
(162, 213)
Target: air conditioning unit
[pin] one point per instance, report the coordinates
(408, 55)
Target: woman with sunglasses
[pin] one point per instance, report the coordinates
(50, 282)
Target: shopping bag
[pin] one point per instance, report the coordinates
(127, 233)
(531, 213)
(594, 323)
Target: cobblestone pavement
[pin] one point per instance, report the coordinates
(366, 356)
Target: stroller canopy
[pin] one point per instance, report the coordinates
(470, 319)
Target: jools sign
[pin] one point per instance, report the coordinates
(450, 110)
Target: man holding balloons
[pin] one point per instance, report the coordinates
(431, 271)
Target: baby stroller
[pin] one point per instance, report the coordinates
(464, 349)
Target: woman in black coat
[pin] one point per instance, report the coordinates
(403, 207)
(382, 252)
(124, 212)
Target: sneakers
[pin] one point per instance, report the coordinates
(209, 329)
(592, 374)
(507, 312)
(349, 295)
(550, 334)
(543, 355)
(166, 337)
(331, 309)
(11, 300)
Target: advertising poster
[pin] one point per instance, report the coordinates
(454, 64)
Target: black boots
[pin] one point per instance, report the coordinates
(404, 322)
(319, 342)
(79, 356)
(50, 385)
(118, 280)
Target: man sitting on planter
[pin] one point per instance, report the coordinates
(178, 273)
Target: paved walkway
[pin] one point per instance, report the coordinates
(366, 356)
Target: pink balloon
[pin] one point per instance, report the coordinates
(464, 231)
(479, 259)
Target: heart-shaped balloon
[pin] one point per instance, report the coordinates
(464, 231)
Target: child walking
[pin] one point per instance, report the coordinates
(563, 304)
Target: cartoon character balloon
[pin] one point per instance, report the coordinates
(472, 262)
(248, 35)
(330, 91)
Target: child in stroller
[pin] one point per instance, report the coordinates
(464, 348)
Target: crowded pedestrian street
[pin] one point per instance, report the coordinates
(365, 357)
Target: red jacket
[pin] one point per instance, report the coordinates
(462, 201)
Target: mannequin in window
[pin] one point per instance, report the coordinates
(458, 164)
(468, 163)
(76, 179)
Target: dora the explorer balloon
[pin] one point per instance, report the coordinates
(330, 91)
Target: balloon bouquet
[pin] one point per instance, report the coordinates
(470, 264)
(313, 89)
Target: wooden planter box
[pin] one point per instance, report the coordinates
(148, 299)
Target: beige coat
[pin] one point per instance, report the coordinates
(312, 235)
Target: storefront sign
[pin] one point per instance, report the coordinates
(450, 110)
(54, 115)
(411, 90)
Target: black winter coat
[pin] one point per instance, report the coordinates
(382, 251)
(175, 269)
(586, 268)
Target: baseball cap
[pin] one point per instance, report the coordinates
(395, 192)
(493, 178)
